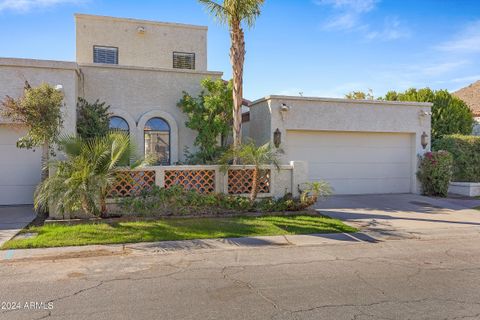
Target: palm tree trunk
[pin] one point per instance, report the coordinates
(237, 59)
(103, 206)
(45, 159)
(255, 184)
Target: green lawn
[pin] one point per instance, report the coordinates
(57, 235)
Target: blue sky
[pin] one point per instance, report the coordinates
(316, 47)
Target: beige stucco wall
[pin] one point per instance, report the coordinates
(345, 115)
(260, 122)
(14, 73)
(138, 94)
(154, 48)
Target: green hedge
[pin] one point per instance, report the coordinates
(466, 156)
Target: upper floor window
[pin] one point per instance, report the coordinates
(103, 54)
(184, 60)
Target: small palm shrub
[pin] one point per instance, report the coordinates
(435, 173)
(315, 191)
(251, 154)
(81, 182)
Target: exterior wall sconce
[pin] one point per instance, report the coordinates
(277, 138)
(422, 114)
(141, 30)
(424, 140)
(284, 110)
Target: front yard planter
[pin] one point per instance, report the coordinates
(469, 189)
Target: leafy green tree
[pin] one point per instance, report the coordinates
(450, 115)
(92, 118)
(210, 114)
(234, 13)
(360, 95)
(39, 109)
(251, 154)
(83, 180)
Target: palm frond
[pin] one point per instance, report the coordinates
(217, 11)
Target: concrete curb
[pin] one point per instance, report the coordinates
(183, 245)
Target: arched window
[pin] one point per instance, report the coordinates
(157, 140)
(120, 124)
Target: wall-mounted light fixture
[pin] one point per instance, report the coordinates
(141, 30)
(422, 114)
(424, 140)
(277, 138)
(284, 110)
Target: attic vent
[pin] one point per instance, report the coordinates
(182, 60)
(105, 55)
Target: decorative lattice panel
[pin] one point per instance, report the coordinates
(132, 183)
(202, 181)
(240, 181)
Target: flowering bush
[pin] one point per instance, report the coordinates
(435, 173)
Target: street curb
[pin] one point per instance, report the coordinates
(183, 245)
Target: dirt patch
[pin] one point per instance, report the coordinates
(72, 255)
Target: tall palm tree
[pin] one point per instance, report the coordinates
(233, 13)
(258, 156)
(81, 182)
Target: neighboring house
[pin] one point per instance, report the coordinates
(140, 68)
(471, 96)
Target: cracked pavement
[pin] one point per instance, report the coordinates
(398, 279)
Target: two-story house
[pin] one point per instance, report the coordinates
(139, 68)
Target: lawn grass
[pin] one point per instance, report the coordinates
(59, 235)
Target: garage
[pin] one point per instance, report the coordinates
(355, 162)
(20, 169)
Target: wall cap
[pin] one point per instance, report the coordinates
(153, 69)
(138, 21)
(341, 100)
(38, 63)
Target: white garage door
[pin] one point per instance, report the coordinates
(353, 162)
(20, 169)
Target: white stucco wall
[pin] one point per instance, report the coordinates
(154, 48)
(340, 115)
(138, 94)
(14, 73)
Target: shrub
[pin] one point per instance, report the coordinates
(92, 119)
(177, 201)
(466, 156)
(450, 115)
(435, 173)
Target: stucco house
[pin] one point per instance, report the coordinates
(140, 68)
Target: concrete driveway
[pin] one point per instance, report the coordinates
(404, 215)
(13, 219)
